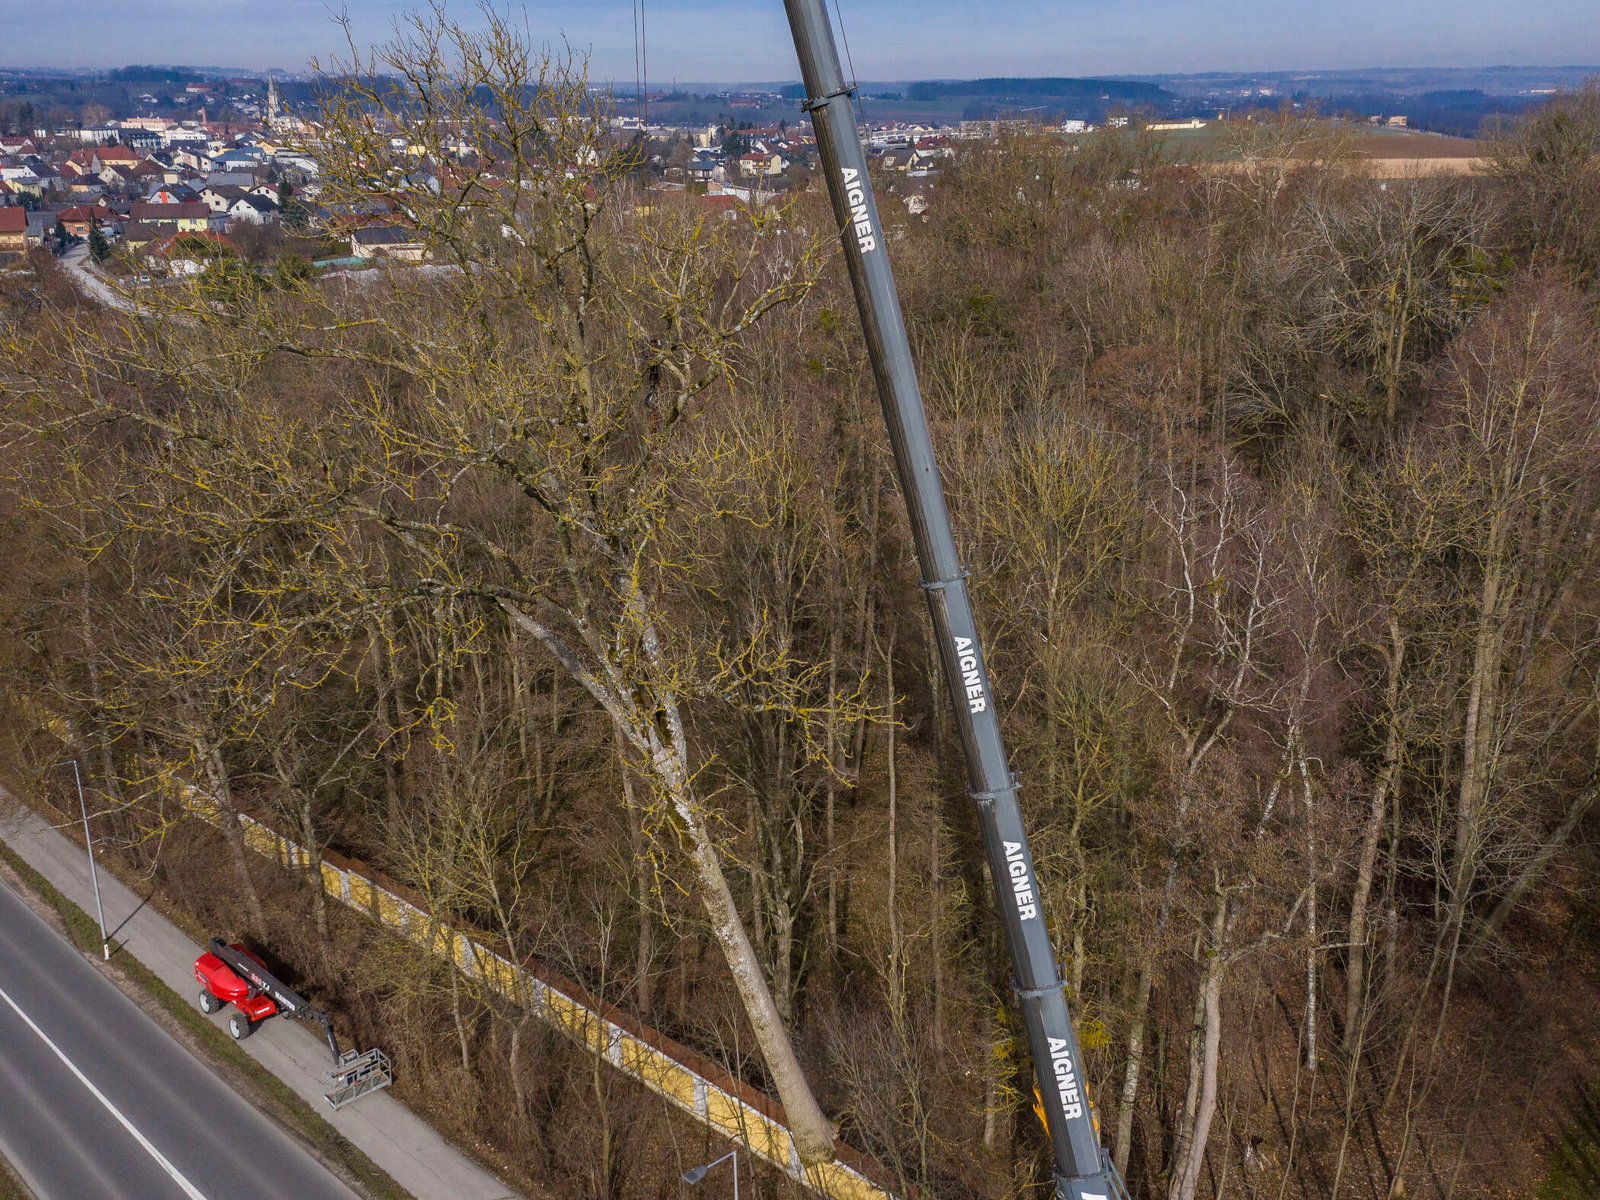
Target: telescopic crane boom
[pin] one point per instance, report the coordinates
(1083, 1171)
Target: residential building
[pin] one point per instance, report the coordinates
(79, 217)
(386, 241)
(193, 217)
(23, 181)
(254, 210)
(190, 253)
(239, 179)
(172, 194)
(13, 229)
(41, 226)
(222, 196)
(759, 165)
(137, 234)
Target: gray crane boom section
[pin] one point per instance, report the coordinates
(1082, 1169)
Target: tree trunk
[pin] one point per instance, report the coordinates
(896, 965)
(813, 1136)
(222, 790)
(1478, 728)
(389, 708)
(1312, 986)
(1541, 859)
(1187, 1175)
(995, 1109)
(455, 1012)
(108, 766)
(1355, 973)
(935, 847)
(1130, 1079)
(319, 896)
(644, 883)
(835, 637)
(656, 727)
(1183, 1135)
(514, 1065)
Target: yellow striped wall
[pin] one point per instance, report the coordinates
(676, 1082)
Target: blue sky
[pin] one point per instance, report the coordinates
(729, 40)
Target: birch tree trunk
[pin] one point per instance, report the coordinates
(656, 730)
(1129, 1096)
(1188, 1178)
(1355, 972)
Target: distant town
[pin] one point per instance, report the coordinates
(145, 172)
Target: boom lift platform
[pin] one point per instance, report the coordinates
(230, 974)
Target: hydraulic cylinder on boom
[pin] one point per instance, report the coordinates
(1083, 1171)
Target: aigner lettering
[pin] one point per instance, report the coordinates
(1021, 883)
(1066, 1079)
(855, 194)
(971, 679)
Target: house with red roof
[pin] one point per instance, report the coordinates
(190, 253)
(105, 156)
(78, 218)
(13, 228)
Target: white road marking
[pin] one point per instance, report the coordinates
(189, 1189)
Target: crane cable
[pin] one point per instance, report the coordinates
(855, 86)
(638, 74)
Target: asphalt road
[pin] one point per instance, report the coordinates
(79, 268)
(98, 1101)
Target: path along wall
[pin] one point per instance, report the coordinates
(734, 1110)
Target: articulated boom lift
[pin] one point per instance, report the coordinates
(1083, 1171)
(230, 974)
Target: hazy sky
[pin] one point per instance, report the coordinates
(729, 40)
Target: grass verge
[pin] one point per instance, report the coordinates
(264, 1089)
(10, 1186)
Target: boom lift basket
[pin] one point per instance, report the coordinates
(357, 1073)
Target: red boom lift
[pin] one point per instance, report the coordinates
(231, 974)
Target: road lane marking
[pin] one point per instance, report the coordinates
(189, 1189)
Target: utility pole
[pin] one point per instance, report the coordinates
(1083, 1171)
(94, 871)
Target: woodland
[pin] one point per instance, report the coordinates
(567, 580)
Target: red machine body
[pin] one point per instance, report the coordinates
(224, 983)
(231, 974)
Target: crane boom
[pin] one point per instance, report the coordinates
(1082, 1169)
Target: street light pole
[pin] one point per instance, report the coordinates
(696, 1174)
(94, 872)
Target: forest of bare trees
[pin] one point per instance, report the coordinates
(567, 581)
